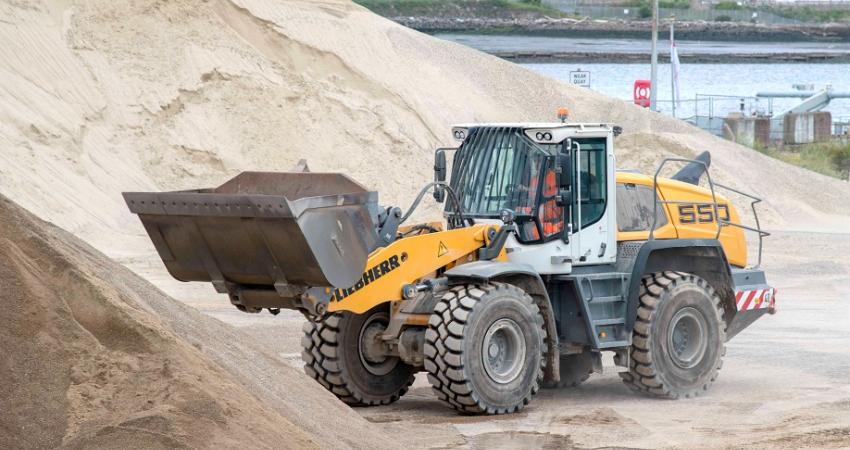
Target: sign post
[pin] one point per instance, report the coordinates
(654, 57)
(580, 78)
(674, 68)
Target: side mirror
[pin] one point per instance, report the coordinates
(440, 165)
(440, 175)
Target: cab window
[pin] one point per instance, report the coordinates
(549, 214)
(593, 181)
(634, 208)
(549, 221)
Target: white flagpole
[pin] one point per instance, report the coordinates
(653, 89)
(674, 67)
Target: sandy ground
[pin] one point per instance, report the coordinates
(784, 381)
(96, 357)
(99, 97)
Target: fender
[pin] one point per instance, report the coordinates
(702, 257)
(525, 277)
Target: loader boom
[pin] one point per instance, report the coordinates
(391, 268)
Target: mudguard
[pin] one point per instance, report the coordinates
(702, 257)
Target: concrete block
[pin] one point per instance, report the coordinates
(808, 127)
(747, 130)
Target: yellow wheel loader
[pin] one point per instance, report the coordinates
(547, 257)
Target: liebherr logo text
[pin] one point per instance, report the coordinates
(384, 267)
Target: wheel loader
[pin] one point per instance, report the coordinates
(546, 257)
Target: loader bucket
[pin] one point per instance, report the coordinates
(263, 229)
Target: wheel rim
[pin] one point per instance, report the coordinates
(503, 351)
(686, 339)
(372, 353)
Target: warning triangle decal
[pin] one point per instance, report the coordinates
(442, 250)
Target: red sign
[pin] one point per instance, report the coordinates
(641, 92)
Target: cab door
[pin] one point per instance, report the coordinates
(594, 237)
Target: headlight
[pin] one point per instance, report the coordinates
(543, 136)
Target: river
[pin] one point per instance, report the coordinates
(704, 88)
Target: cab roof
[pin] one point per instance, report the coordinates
(543, 132)
(528, 125)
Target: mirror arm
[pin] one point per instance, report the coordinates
(440, 173)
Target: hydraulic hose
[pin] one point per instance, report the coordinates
(421, 194)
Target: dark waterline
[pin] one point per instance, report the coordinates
(517, 43)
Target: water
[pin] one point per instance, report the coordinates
(732, 80)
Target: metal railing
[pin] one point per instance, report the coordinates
(595, 10)
(761, 233)
(720, 222)
(822, 4)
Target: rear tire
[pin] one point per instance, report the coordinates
(484, 348)
(679, 337)
(575, 369)
(339, 353)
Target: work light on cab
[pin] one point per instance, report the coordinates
(563, 114)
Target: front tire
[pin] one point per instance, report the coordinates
(484, 348)
(342, 353)
(679, 336)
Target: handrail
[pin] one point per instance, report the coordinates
(590, 285)
(655, 194)
(577, 230)
(720, 222)
(762, 234)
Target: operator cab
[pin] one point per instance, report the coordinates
(557, 178)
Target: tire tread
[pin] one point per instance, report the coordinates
(443, 351)
(643, 372)
(322, 363)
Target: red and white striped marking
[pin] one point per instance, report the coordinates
(747, 300)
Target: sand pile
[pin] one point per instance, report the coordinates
(98, 96)
(95, 357)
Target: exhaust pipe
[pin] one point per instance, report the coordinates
(692, 172)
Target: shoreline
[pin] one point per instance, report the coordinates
(691, 58)
(587, 28)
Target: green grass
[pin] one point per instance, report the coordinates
(728, 6)
(801, 13)
(479, 8)
(807, 14)
(529, 5)
(832, 159)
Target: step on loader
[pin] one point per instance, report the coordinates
(547, 256)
